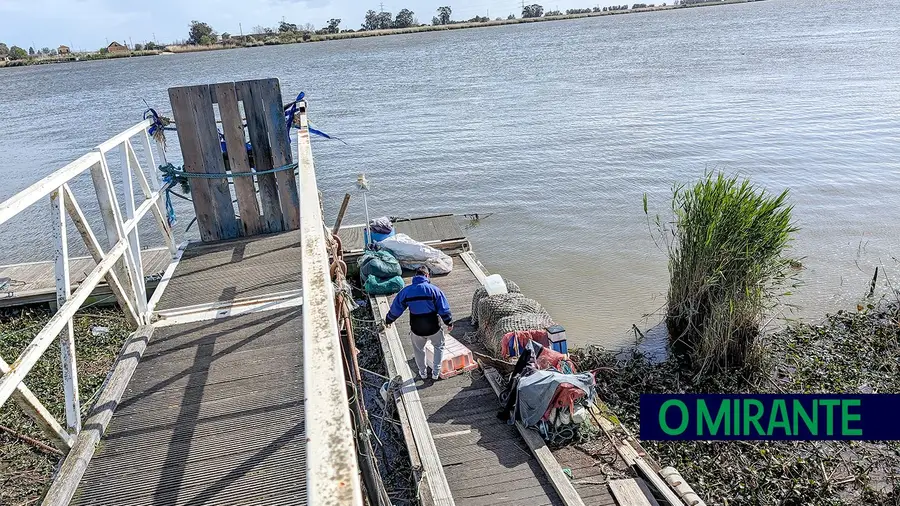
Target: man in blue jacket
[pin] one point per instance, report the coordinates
(427, 305)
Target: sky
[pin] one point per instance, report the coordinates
(92, 24)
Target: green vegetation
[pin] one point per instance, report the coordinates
(443, 17)
(727, 264)
(532, 11)
(334, 26)
(201, 34)
(17, 53)
(25, 469)
(850, 352)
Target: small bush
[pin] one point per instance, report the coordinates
(726, 264)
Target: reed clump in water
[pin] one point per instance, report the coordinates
(727, 264)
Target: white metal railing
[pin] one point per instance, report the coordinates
(120, 265)
(332, 470)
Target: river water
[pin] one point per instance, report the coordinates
(558, 129)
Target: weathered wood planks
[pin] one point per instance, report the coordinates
(277, 208)
(542, 453)
(431, 462)
(269, 92)
(629, 493)
(262, 154)
(202, 152)
(238, 162)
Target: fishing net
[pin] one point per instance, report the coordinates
(492, 309)
(481, 293)
(497, 315)
(492, 334)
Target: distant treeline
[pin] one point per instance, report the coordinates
(202, 36)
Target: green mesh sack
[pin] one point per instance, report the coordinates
(380, 264)
(390, 286)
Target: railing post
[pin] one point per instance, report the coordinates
(134, 241)
(112, 220)
(63, 291)
(151, 187)
(155, 174)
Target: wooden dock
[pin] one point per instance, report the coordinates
(233, 388)
(485, 462)
(208, 401)
(214, 412)
(35, 282)
(442, 230)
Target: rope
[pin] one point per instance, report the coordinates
(178, 174)
(173, 175)
(161, 124)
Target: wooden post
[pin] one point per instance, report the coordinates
(63, 291)
(340, 216)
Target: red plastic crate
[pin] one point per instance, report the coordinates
(457, 358)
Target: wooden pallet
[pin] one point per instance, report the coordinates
(276, 208)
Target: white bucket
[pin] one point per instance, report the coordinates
(495, 285)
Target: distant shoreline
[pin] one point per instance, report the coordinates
(174, 49)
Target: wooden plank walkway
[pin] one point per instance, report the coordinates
(237, 269)
(485, 461)
(35, 282)
(214, 413)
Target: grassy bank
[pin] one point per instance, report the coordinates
(849, 352)
(26, 469)
(276, 39)
(76, 57)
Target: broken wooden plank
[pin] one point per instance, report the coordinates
(628, 493)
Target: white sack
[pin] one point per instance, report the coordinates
(413, 254)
